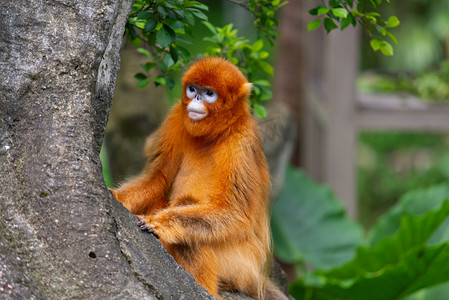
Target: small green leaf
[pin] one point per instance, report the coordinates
(210, 27)
(266, 67)
(136, 42)
(383, 46)
(142, 83)
(184, 53)
(392, 37)
(322, 11)
(175, 24)
(263, 54)
(262, 82)
(376, 44)
(173, 54)
(386, 49)
(340, 12)
(140, 76)
(313, 11)
(257, 46)
(143, 15)
(148, 66)
(144, 52)
(260, 111)
(199, 14)
(392, 21)
(163, 11)
(189, 18)
(164, 38)
(347, 21)
(313, 25)
(150, 25)
(159, 80)
(329, 25)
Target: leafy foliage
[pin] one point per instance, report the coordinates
(342, 13)
(430, 85)
(250, 58)
(391, 163)
(160, 29)
(309, 225)
(409, 249)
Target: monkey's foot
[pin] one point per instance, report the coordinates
(146, 227)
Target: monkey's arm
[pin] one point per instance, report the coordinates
(148, 191)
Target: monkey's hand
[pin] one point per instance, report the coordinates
(146, 226)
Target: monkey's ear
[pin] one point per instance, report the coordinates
(245, 90)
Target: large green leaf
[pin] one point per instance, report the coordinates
(395, 267)
(415, 203)
(309, 225)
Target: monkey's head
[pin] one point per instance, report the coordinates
(214, 96)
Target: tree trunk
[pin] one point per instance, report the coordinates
(62, 235)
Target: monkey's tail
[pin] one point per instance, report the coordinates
(272, 292)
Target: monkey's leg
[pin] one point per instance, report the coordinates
(200, 261)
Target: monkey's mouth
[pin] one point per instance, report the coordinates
(196, 115)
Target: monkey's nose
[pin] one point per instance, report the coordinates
(197, 98)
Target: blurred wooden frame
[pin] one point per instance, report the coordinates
(334, 113)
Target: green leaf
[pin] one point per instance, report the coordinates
(196, 4)
(263, 54)
(313, 11)
(376, 44)
(313, 25)
(329, 25)
(164, 38)
(347, 21)
(340, 12)
(392, 37)
(386, 49)
(142, 83)
(173, 54)
(175, 24)
(144, 52)
(184, 53)
(148, 66)
(199, 14)
(143, 15)
(395, 267)
(140, 76)
(163, 11)
(136, 42)
(309, 224)
(257, 46)
(159, 80)
(417, 270)
(260, 111)
(392, 21)
(210, 27)
(266, 67)
(414, 233)
(150, 25)
(189, 18)
(262, 82)
(322, 11)
(416, 203)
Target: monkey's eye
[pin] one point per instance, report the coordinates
(191, 91)
(210, 96)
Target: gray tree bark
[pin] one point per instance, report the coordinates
(62, 235)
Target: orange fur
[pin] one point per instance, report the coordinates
(204, 190)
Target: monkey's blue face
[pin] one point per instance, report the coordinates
(198, 95)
